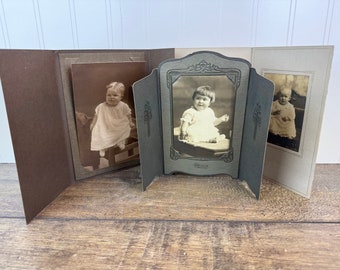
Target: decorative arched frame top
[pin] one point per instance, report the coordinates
(178, 78)
(203, 69)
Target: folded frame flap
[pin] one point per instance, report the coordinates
(255, 132)
(37, 120)
(149, 127)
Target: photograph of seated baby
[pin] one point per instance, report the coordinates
(198, 123)
(104, 113)
(288, 109)
(203, 116)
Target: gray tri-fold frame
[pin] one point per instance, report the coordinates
(240, 92)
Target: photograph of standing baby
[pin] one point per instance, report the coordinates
(288, 110)
(112, 122)
(104, 113)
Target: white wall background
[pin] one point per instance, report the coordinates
(123, 24)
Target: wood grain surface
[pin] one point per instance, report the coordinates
(182, 197)
(180, 222)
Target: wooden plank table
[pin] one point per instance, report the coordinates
(180, 222)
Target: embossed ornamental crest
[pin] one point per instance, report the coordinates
(225, 82)
(204, 67)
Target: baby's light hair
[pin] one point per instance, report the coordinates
(285, 90)
(205, 90)
(118, 86)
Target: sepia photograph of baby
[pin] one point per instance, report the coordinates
(104, 112)
(203, 112)
(288, 110)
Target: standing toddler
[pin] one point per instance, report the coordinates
(282, 129)
(112, 122)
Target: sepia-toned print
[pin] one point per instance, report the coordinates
(104, 113)
(288, 110)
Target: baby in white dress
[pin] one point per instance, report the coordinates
(198, 123)
(283, 115)
(112, 123)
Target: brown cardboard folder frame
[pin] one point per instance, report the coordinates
(33, 91)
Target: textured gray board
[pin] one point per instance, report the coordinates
(255, 132)
(146, 97)
(253, 107)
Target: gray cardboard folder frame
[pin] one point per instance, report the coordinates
(33, 85)
(239, 92)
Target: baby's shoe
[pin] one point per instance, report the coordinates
(220, 138)
(102, 153)
(121, 145)
(217, 139)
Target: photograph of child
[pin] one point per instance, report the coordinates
(198, 123)
(104, 112)
(203, 108)
(112, 122)
(288, 109)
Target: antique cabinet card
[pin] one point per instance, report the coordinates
(300, 75)
(214, 114)
(43, 121)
